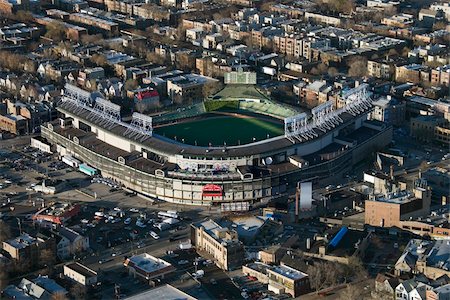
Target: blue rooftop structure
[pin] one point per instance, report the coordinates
(338, 237)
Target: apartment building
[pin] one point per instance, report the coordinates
(291, 46)
(413, 73)
(218, 243)
(442, 134)
(440, 76)
(381, 68)
(100, 25)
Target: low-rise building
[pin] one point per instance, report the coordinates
(14, 124)
(101, 25)
(26, 248)
(389, 209)
(80, 274)
(413, 73)
(218, 243)
(430, 258)
(284, 279)
(389, 110)
(423, 128)
(57, 213)
(148, 267)
(42, 144)
(70, 243)
(440, 76)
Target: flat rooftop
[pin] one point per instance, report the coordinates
(148, 263)
(22, 241)
(396, 197)
(81, 269)
(289, 272)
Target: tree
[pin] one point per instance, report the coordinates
(24, 16)
(351, 292)
(392, 52)
(56, 31)
(99, 60)
(185, 61)
(4, 279)
(130, 84)
(92, 39)
(357, 66)
(332, 71)
(210, 88)
(320, 69)
(47, 258)
(152, 57)
(78, 292)
(5, 231)
(322, 275)
(59, 296)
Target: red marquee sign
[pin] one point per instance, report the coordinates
(212, 190)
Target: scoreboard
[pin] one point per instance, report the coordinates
(239, 77)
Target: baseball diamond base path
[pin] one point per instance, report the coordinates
(233, 129)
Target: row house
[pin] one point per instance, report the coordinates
(440, 76)
(57, 70)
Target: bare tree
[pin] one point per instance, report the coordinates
(78, 292)
(322, 275)
(130, 84)
(351, 292)
(47, 258)
(210, 88)
(24, 16)
(357, 66)
(59, 296)
(332, 71)
(5, 231)
(92, 39)
(4, 279)
(99, 60)
(185, 61)
(56, 31)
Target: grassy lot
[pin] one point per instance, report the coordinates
(217, 130)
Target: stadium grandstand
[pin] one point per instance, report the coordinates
(314, 147)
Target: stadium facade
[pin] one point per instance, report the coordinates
(313, 148)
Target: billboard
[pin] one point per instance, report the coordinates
(239, 77)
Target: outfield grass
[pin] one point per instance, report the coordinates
(217, 130)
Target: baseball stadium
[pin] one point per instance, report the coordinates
(237, 147)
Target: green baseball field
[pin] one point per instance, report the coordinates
(234, 130)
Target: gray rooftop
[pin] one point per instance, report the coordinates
(165, 292)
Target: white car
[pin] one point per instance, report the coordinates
(154, 235)
(134, 210)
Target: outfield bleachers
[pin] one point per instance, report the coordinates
(181, 113)
(268, 108)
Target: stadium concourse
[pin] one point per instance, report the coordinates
(316, 145)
